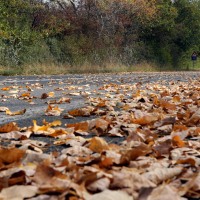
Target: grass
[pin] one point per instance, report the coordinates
(52, 69)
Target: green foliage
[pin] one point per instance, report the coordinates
(98, 32)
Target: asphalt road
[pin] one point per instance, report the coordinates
(75, 87)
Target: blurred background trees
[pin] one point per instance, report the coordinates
(98, 32)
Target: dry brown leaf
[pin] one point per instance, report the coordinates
(167, 105)
(166, 121)
(177, 141)
(133, 153)
(188, 161)
(176, 99)
(59, 132)
(45, 174)
(11, 126)
(8, 156)
(163, 148)
(146, 119)
(98, 145)
(81, 112)
(195, 118)
(44, 96)
(98, 126)
(83, 126)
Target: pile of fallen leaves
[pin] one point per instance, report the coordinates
(159, 157)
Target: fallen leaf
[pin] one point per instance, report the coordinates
(6, 88)
(19, 192)
(20, 112)
(177, 141)
(110, 194)
(98, 145)
(164, 192)
(99, 185)
(167, 105)
(159, 175)
(44, 96)
(51, 94)
(98, 126)
(53, 110)
(37, 128)
(8, 156)
(3, 109)
(83, 126)
(11, 126)
(27, 94)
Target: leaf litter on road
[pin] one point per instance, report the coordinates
(158, 156)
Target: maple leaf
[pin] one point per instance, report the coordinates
(38, 128)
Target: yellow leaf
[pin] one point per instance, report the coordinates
(27, 94)
(5, 88)
(51, 94)
(37, 128)
(12, 126)
(20, 112)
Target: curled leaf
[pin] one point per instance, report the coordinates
(20, 112)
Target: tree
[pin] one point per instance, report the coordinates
(16, 20)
